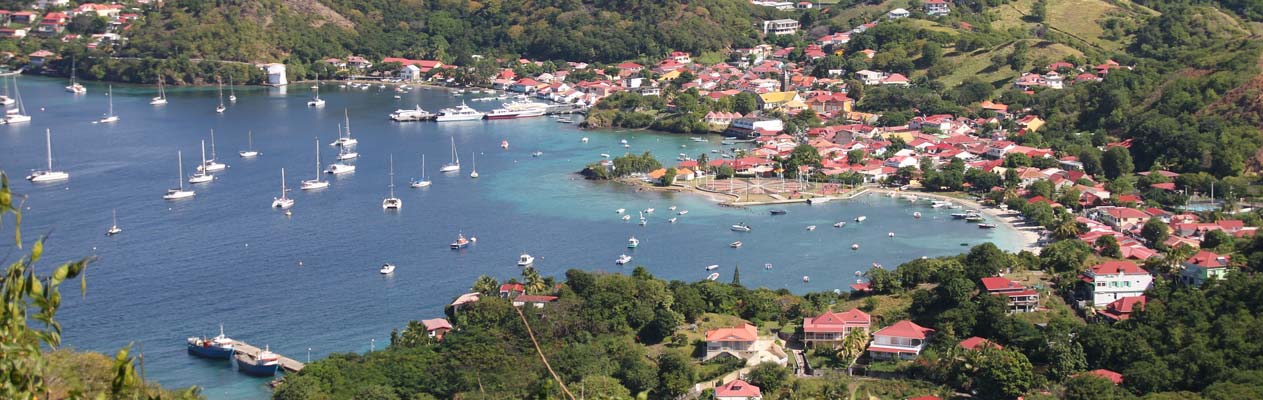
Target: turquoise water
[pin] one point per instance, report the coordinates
(182, 268)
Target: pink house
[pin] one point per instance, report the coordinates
(738, 390)
(831, 327)
(1021, 298)
(436, 327)
(903, 340)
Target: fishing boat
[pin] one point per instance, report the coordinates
(416, 114)
(17, 115)
(459, 113)
(455, 164)
(860, 218)
(735, 245)
(392, 202)
(811, 227)
(220, 108)
(109, 114)
(114, 229)
(202, 176)
(525, 260)
(741, 227)
(623, 259)
(220, 347)
(460, 243)
(779, 211)
(50, 174)
(473, 171)
(712, 267)
(839, 224)
(283, 202)
(387, 269)
(316, 183)
(345, 141)
(986, 226)
(179, 193)
(423, 182)
(232, 94)
(264, 364)
(210, 165)
(633, 242)
(162, 95)
(249, 152)
(316, 101)
(714, 276)
(74, 86)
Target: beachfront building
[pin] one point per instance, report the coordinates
(903, 340)
(1113, 280)
(1204, 266)
(276, 74)
(736, 341)
(830, 328)
(738, 390)
(1021, 298)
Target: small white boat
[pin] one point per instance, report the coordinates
(742, 227)
(455, 164)
(643, 221)
(623, 259)
(316, 183)
(839, 224)
(624, 141)
(537, 154)
(735, 245)
(620, 211)
(682, 212)
(940, 204)
(860, 218)
(162, 95)
(74, 86)
(316, 101)
(855, 246)
(220, 108)
(806, 279)
(249, 152)
(633, 242)
(916, 214)
(387, 269)
(202, 176)
(50, 174)
(114, 229)
(347, 154)
(179, 193)
(713, 276)
(392, 202)
(525, 260)
(339, 169)
(890, 234)
(210, 165)
(811, 227)
(604, 155)
(473, 171)
(504, 144)
(627, 218)
(109, 115)
(283, 202)
(767, 266)
(584, 140)
(672, 220)
(423, 182)
(347, 140)
(649, 210)
(712, 267)
(672, 208)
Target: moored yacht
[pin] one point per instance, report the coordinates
(525, 260)
(518, 109)
(162, 95)
(392, 202)
(455, 164)
(74, 86)
(249, 152)
(423, 182)
(459, 113)
(316, 101)
(347, 140)
(741, 227)
(50, 174)
(316, 183)
(109, 115)
(201, 176)
(179, 193)
(283, 202)
(210, 165)
(460, 243)
(417, 114)
(633, 243)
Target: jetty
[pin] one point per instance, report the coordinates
(287, 364)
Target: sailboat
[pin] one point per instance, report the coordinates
(283, 202)
(202, 176)
(5, 99)
(109, 115)
(474, 171)
(20, 116)
(75, 87)
(114, 229)
(48, 175)
(249, 152)
(423, 182)
(392, 202)
(220, 108)
(348, 140)
(455, 164)
(338, 167)
(211, 165)
(316, 101)
(316, 183)
(232, 94)
(179, 193)
(162, 95)
(346, 152)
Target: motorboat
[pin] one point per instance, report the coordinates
(525, 260)
(416, 114)
(504, 144)
(623, 259)
(811, 227)
(649, 210)
(537, 154)
(735, 245)
(340, 168)
(283, 202)
(633, 242)
(860, 218)
(672, 220)
(620, 211)
(627, 218)
(855, 246)
(839, 224)
(963, 215)
(459, 113)
(605, 155)
(460, 243)
(916, 214)
(712, 267)
(742, 227)
(518, 109)
(50, 174)
(682, 212)
(974, 218)
(387, 269)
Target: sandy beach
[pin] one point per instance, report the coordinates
(1030, 233)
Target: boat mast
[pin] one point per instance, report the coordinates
(392, 175)
(212, 146)
(179, 156)
(423, 167)
(110, 94)
(282, 182)
(203, 158)
(250, 140)
(18, 92)
(317, 159)
(48, 142)
(348, 122)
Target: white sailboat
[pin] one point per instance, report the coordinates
(220, 108)
(211, 165)
(20, 116)
(109, 115)
(162, 94)
(474, 171)
(316, 183)
(455, 164)
(74, 86)
(232, 94)
(48, 175)
(392, 202)
(5, 99)
(339, 167)
(179, 193)
(249, 152)
(316, 101)
(348, 140)
(346, 152)
(202, 176)
(114, 229)
(423, 182)
(283, 202)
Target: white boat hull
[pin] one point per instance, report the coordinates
(339, 169)
(313, 185)
(48, 176)
(283, 203)
(248, 154)
(420, 184)
(201, 178)
(459, 117)
(175, 194)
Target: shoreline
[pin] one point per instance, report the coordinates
(1029, 233)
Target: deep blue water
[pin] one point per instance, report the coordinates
(182, 268)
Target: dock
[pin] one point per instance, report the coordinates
(287, 364)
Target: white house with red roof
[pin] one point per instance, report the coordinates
(1021, 298)
(1204, 266)
(1120, 218)
(830, 328)
(736, 341)
(436, 327)
(738, 390)
(1113, 280)
(903, 340)
(510, 290)
(895, 79)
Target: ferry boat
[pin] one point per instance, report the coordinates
(525, 260)
(633, 242)
(416, 114)
(460, 243)
(460, 113)
(220, 347)
(623, 259)
(387, 269)
(742, 227)
(265, 364)
(518, 109)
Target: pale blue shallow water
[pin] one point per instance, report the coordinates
(182, 268)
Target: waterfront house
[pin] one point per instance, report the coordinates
(977, 344)
(738, 390)
(1121, 309)
(410, 73)
(830, 328)
(1113, 280)
(38, 57)
(903, 340)
(780, 27)
(437, 327)
(936, 8)
(1204, 266)
(736, 341)
(467, 298)
(533, 300)
(750, 127)
(1021, 298)
(510, 290)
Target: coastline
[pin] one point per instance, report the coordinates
(1029, 233)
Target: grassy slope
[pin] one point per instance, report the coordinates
(978, 63)
(1078, 18)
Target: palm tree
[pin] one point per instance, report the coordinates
(852, 348)
(534, 283)
(1066, 228)
(486, 285)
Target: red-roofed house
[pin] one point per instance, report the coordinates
(1021, 298)
(437, 327)
(1121, 218)
(1111, 376)
(533, 300)
(512, 289)
(1121, 309)
(464, 299)
(1204, 266)
(904, 339)
(977, 343)
(736, 341)
(1113, 280)
(738, 390)
(895, 79)
(831, 327)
